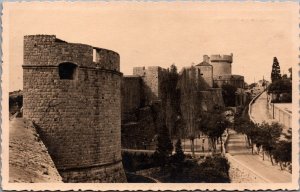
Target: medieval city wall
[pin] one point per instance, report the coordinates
(210, 98)
(131, 93)
(207, 74)
(152, 77)
(234, 80)
(79, 118)
(139, 133)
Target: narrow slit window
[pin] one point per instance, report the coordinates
(94, 55)
(67, 71)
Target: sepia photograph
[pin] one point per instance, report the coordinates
(150, 95)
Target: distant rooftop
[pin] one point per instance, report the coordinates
(204, 64)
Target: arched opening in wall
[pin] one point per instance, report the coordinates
(67, 70)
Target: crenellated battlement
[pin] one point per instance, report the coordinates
(47, 50)
(73, 94)
(221, 58)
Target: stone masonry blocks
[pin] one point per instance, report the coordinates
(79, 119)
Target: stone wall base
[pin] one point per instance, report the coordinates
(112, 173)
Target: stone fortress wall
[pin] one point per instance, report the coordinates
(72, 93)
(235, 80)
(140, 92)
(152, 78)
(141, 96)
(132, 93)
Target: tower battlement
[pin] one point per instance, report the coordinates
(221, 58)
(73, 94)
(47, 50)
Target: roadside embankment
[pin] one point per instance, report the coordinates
(29, 161)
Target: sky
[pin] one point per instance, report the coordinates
(162, 33)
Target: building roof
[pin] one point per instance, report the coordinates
(204, 64)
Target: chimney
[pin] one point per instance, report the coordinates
(206, 58)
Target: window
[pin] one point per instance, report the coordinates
(67, 70)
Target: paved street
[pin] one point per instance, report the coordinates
(262, 169)
(259, 109)
(238, 149)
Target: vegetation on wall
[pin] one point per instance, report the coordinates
(189, 102)
(228, 93)
(170, 98)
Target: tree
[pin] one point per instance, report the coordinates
(187, 85)
(253, 135)
(268, 136)
(177, 164)
(284, 76)
(164, 147)
(215, 170)
(213, 125)
(228, 93)
(283, 152)
(281, 87)
(179, 155)
(170, 98)
(245, 126)
(252, 85)
(290, 71)
(275, 74)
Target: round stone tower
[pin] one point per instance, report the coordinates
(72, 93)
(221, 64)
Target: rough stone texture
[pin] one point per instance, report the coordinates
(139, 134)
(141, 99)
(235, 80)
(210, 98)
(216, 96)
(109, 173)
(79, 119)
(238, 173)
(132, 93)
(152, 77)
(141, 106)
(29, 160)
(207, 73)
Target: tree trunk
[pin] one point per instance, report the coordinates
(252, 148)
(249, 143)
(271, 159)
(221, 145)
(192, 147)
(280, 163)
(263, 153)
(215, 144)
